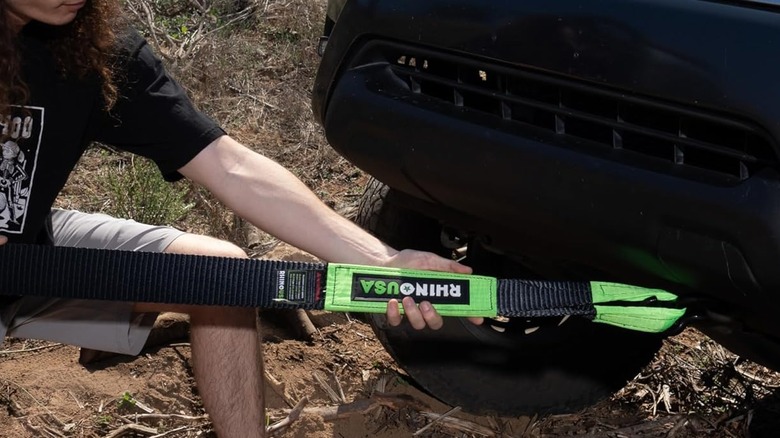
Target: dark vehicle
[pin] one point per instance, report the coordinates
(621, 140)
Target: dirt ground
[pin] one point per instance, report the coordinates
(350, 387)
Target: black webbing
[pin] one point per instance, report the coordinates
(149, 277)
(202, 280)
(528, 298)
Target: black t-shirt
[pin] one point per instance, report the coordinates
(42, 141)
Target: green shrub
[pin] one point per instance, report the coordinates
(137, 191)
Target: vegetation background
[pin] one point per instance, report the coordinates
(250, 64)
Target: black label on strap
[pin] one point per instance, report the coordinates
(298, 285)
(372, 287)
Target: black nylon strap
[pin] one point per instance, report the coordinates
(95, 274)
(529, 298)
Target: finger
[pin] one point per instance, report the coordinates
(393, 314)
(461, 269)
(3, 240)
(427, 261)
(431, 316)
(445, 265)
(413, 314)
(476, 320)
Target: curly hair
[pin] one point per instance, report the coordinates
(80, 48)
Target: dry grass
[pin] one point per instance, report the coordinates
(693, 388)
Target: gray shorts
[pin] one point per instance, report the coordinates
(99, 325)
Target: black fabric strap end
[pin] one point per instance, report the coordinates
(528, 298)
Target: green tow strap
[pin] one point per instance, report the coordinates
(355, 288)
(622, 305)
(80, 273)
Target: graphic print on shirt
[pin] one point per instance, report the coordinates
(20, 140)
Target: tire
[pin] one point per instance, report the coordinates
(499, 368)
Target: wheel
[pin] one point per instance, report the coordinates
(505, 366)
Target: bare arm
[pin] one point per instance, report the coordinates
(273, 199)
(276, 201)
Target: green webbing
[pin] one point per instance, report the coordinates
(603, 292)
(653, 317)
(643, 319)
(354, 288)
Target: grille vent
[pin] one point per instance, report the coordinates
(653, 129)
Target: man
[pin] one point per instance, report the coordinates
(68, 80)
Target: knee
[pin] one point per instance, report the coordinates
(223, 248)
(205, 245)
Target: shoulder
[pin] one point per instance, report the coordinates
(130, 44)
(136, 66)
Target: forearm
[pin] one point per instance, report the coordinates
(273, 199)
